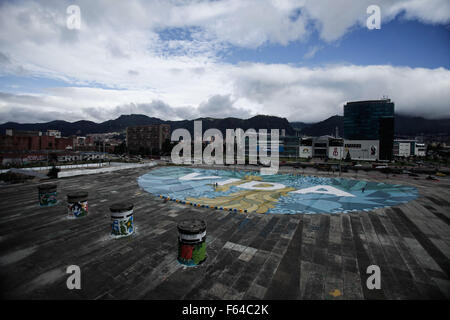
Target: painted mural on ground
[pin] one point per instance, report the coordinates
(281, 193)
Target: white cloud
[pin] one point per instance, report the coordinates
(334, 18)
(308, 94)
(312, 52)
(297, 93)
(431, 11)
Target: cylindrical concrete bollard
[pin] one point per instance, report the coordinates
(77, 204)
(47, 195)
(122, 219)
(191, 242)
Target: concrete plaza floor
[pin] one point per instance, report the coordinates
(250, 256)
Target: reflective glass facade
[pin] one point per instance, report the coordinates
(371, 120)
(361, 118)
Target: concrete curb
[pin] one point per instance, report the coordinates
(64, 174)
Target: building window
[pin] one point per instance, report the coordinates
(353, 145)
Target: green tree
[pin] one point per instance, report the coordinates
(166, 148)
(53, 172)
(121, 148)
(348, 158)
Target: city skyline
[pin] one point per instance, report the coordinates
(171, 60)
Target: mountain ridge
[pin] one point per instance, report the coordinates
(83, 127)
(404, 125)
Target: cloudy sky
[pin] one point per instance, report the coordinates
(298, 59)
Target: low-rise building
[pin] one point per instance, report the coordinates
(289, 146)
(23, 133)
(20, 159)
(329, 147)
(80, 156)
(321, 147)
(33, 143)
(364, 150)
(53, 133)
(408, 148)
(147, 139)
(24, 158)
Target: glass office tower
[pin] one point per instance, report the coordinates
(371, 120)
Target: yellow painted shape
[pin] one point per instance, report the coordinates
(246, 179)
(251, 200)
(269, 198)
(252, 208)
(336, 293)
(263, 185)
(262, 209)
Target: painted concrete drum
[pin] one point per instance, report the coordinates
(47, 195)
(77, 204)
(122, 219)
(191, 242)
